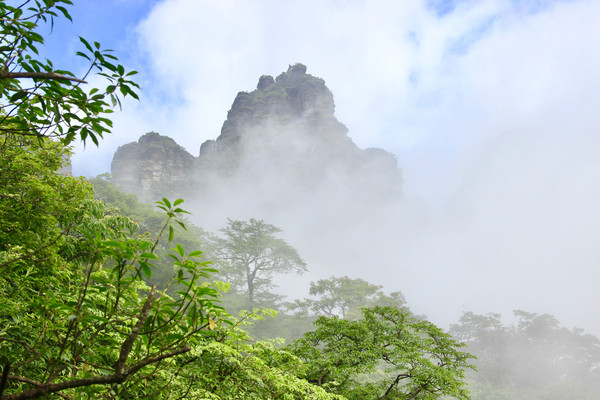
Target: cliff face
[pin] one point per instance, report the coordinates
(151, 165)
(276, 116)
(293, 95)
(280, 145)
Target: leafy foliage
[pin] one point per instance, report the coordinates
(233, 366)
(412, 356)
(150, 223)
(76, 316)
(387, 354)
(344, 297)
(250, 255)
(53, 102)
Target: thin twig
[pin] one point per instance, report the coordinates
(38, 75)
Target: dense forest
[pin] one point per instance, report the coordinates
(104, 295)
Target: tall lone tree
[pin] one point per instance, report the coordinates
(251, 255)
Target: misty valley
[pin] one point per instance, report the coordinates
(282, 261)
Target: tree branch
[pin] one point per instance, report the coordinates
(394, 384)
(24, 380)
(43, 389)
(128, 343)
(38, 75)
(135, 368)
(4, 378)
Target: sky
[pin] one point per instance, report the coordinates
(491, 108)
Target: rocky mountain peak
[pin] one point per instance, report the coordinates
(282, 136)
(292, 95)
(151, 164)
(264, 82)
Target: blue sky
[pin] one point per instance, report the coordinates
(491, 107)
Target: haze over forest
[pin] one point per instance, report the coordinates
(489, 107)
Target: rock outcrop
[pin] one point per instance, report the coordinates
(294, 101)
(152, 165)
(280, 144)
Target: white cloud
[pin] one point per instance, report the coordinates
(434, 90)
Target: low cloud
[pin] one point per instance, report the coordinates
(490, 107)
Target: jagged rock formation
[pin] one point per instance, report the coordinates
(275, 112)
(152, 165)
(280, 147)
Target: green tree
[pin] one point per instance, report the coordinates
(150, 222)
(235, 366)
(387, 354)
(344, 297)
(76, 317)
(39, 99)
(250, 255)
(534, 358)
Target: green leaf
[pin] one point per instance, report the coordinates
(113, 243)
(175, 336)
(94, 318)
(80, 54)
(94, 139)
(86, 44)
(171, 233)
(192, 311)
(150, 256)
(18, 96)
(146, 270)
(65, 13)
(179, 249)
(133, 94)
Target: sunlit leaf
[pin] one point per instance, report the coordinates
(150, 256)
